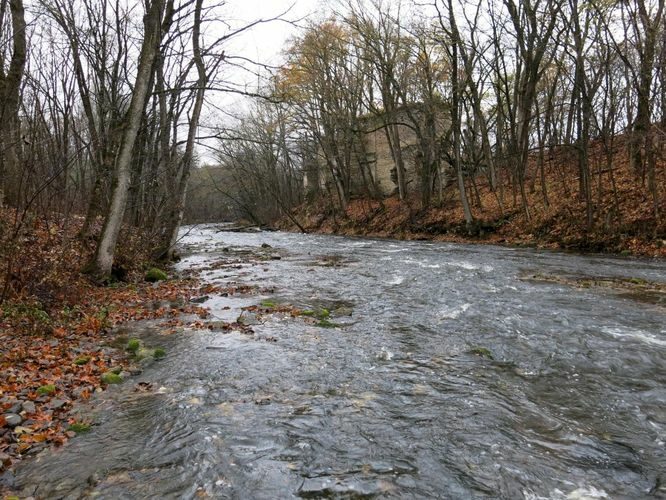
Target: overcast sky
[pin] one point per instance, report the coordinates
(263, 43)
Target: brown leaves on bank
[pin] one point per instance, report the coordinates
(624, 220)
(55, 324)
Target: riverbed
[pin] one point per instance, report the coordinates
(441, 371)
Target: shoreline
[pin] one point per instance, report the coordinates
(391, 220)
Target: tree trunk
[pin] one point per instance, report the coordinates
(176, 214)
(10, 88)
(103, 261)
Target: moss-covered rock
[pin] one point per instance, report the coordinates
(46, 389)
(143, 353)
(79, 427)
(154, 274)
(324, 323)
(133, 345)
(111, 378)
(82, 360)
(482, 351)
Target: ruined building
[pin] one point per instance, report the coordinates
(373, 162)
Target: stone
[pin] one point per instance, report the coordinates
(15, 408)
(28, 407)
(200, 300)
(135, 370)
(13, 419)
(56, 403)
(154, 275)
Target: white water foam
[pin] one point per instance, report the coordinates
(453, 313)
(582, 493)
(635, 334)
(397, 280)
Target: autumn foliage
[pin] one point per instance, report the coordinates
(56, 324)
(624, 219)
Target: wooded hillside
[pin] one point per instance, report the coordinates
(557, 121)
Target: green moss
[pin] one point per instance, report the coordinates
(320, 313)
(82, 360)
(269, 304)
(482, 351)
(159, 353)
(46, 389)
(111, 378)
(324, 323)
(637, 281)
(79, 427)
(133, 345)
(154, 274)
(116, 370)
(31, 311)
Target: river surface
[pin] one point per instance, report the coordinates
(452, 378)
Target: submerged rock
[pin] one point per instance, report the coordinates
(200, 300)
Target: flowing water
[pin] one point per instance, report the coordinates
(402, 399)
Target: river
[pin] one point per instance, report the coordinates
(445, 374)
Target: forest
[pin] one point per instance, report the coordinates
(533, 121)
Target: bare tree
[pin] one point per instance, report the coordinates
(156, 23)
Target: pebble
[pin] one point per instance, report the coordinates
(135, 370)
(29, 407)
(199, 300)
(15, 408)
(57, 403)
(13, 419)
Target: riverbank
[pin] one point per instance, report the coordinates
(624, 221)
(58, 329)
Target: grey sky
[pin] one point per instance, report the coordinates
(265, 41)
